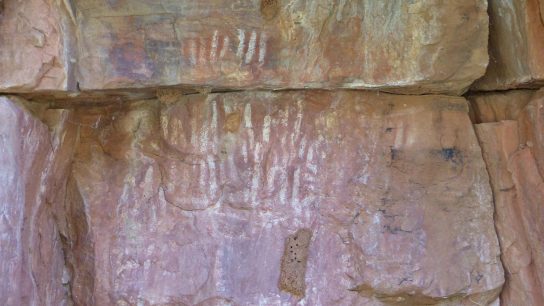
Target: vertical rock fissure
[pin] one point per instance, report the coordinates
(77, 246)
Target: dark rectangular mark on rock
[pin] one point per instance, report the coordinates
(452, 154)
(293, 263)
(394, 153)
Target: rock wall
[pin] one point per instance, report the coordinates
(516, 42)
(207, 188)
(271, 152)
(31, 175)
(513, 153)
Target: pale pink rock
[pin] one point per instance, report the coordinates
(31, 259)
(190, 202)
(36, 46)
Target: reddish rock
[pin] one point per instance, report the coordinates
(516, 42)
(499, 142)
(35, 46)
(512, 151)
(530, 186)
(31, 259)
(191, 202)
(531, 122)
(498, 106)
(402, 46)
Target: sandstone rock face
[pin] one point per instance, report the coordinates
(515, 45)
(31, 258)
(416, 46)
(198, 201)
(531, 122)
(512, 150)
(499, 142)
(498, 106)
(35, 46)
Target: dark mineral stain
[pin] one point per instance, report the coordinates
(452, 155)
(394, 230)
(395, 153)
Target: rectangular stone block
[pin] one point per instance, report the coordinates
(421, 46)
(190, 201)
(36, 45)
(516, 45)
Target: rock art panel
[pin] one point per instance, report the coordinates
(516, 42)
(36, 46)
(405, 46)
(191, 201)
(31, 259)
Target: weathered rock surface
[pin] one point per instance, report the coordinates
(193, 201)
(35, 46)
(31, 258)
(515, 45)
(416, 46)
(512, 150)
(499, 142)
(531, 122)
(498, 106)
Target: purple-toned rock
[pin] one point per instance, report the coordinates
(403, 46)
(35, 46)
(338, 198)
(31, 259)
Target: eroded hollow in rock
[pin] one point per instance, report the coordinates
(294, 261)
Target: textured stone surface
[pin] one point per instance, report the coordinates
(531, 122)
(405, 46)
(294, 261)
(512, 151)
(35, 45)
(190, 202)
(498, 106)
(499, 142)
(31, 259)
(515, 45)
